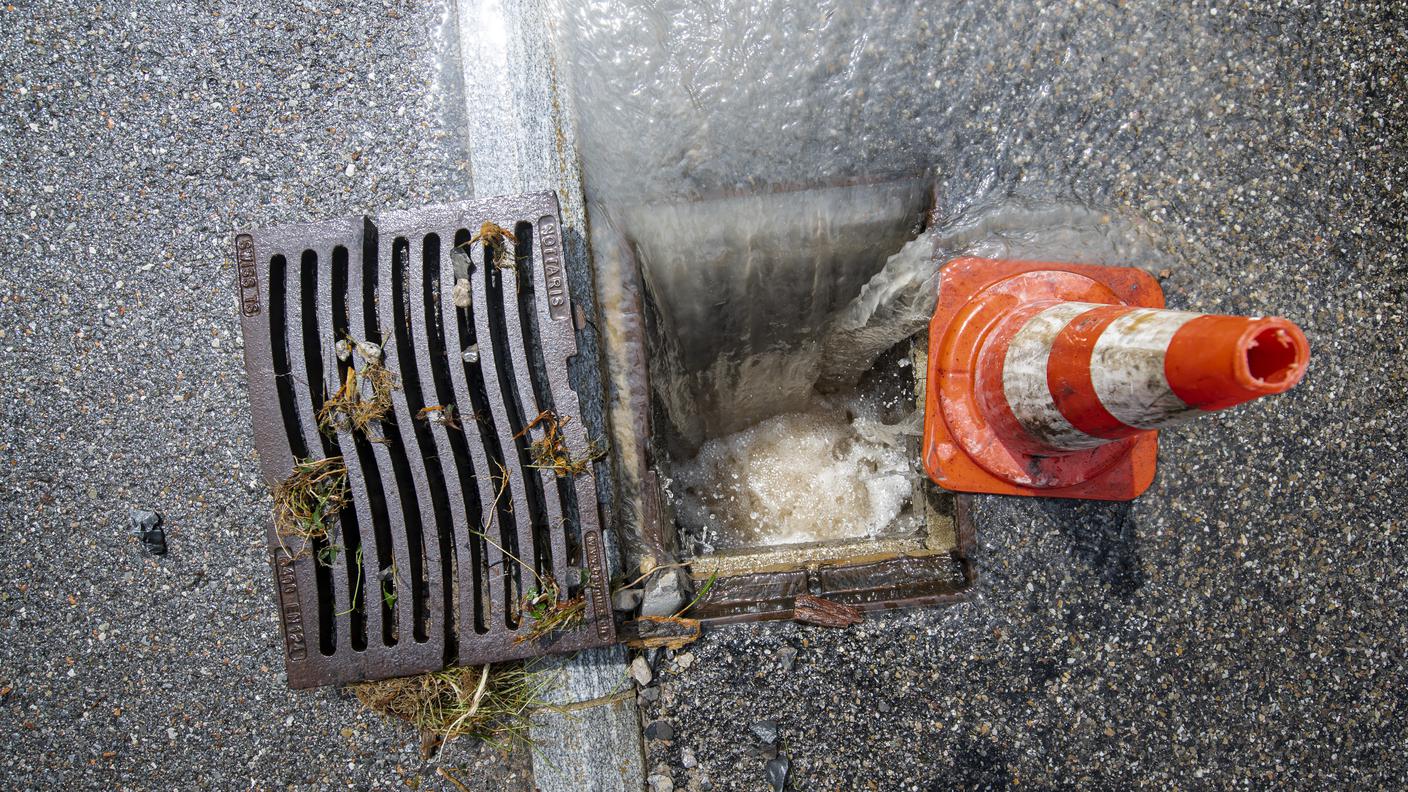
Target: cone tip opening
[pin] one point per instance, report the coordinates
(1275, 353)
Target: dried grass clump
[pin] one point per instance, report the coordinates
(495, 239)
(307, 502)
(489, 703)
(550, 452)
(547, 614)
(348, 409)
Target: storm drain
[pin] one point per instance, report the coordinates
(455, 525)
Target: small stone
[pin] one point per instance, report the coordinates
(650, 694)
(345, 732)
(660, 783)
(460, 294)
(776, 773)
(765, 731)
(787, 657)
(665, 593)
(885, 706)
(351, 169)
(147, 526)
(369, 351)
(640, 671)
(659, 730)
(626, 599)
(687, 759)
(343, 349)
(215, 343)
(684, 661)
(471, 355)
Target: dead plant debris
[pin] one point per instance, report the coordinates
(365, 394)
(306, 503)
(661, 632)
(550, 452)
(495, 239)
(442, 414)
(824, 612)
(489, 703)
(547, 613)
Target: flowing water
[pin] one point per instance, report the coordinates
(770, 166)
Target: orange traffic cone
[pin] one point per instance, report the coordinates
(1053, 379)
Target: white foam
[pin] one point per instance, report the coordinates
(824, 474)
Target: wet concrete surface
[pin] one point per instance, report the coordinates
(1240, 626)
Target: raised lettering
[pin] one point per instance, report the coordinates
(248, 274)
(552, 269)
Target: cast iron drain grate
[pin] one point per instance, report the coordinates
(425, 567)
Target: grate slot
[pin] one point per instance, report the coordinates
(391, 553)
(425, 580)
(508, 358)
(566, 550)
(299, 567)
(421, 391)
(364, 478)
(551, 317)
(299, 291)
(488, 566)
(283, 371)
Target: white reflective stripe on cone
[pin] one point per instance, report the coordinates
(1024, 378)
(1127, 368)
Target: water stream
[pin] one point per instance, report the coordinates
(770, 165)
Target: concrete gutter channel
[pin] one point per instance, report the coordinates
(1239, 626)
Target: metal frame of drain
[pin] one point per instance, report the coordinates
(919, 574)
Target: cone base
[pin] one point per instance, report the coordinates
(962, 450)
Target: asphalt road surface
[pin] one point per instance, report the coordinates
(1240, 626)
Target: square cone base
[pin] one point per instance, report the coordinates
(951, 466)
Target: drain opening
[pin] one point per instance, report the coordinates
(769, 477)
(420, 569)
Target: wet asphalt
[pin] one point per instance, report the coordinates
(1240, 626)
